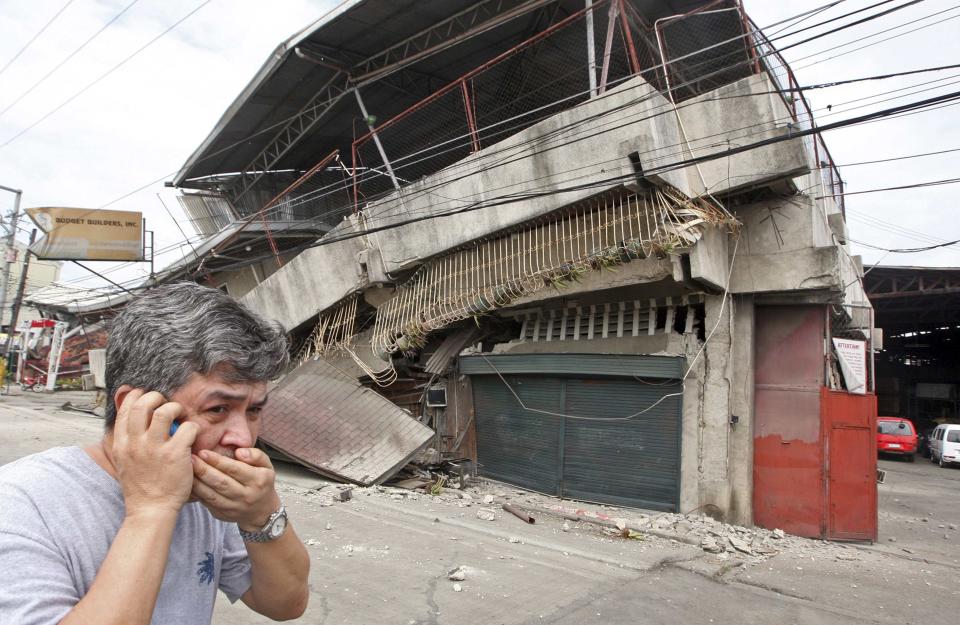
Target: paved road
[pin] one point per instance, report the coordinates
(918, 503)
(385, 560)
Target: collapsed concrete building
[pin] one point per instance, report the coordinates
(599, 248)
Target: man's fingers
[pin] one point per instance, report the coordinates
(123, 412)
(138, 418)
(162, 418)
(240, 471)
(255, 457)
(216, 479)
(186, 434)
(208, 495)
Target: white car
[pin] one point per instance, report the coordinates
(945, 444)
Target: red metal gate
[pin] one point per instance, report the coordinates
(787, 450)
(850, 443)
(814, 469)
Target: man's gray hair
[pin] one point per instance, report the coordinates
(169, 333)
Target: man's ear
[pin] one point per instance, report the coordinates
(120, 395)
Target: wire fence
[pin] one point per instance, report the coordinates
(552, 71)
(704, 49)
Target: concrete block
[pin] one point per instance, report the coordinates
(98, 367)
(709, 261)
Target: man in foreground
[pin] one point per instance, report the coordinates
(174, 502)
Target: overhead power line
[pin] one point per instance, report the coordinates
(103, 75)
(906, 250)
(916, 185)
(67, 58)
(35, 37)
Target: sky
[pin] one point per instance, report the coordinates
(135, 127)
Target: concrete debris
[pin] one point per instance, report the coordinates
(335, 493)
(892, 539)
(488, 499)
(457, 575)
(312, 542)
(457, 588)
(710, 545)
(724, 542)
(329, 526)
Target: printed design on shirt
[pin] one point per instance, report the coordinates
(206, 569)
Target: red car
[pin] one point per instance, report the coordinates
(896, 436)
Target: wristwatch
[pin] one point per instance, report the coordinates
(275, 527)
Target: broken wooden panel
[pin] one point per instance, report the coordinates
(339, 428)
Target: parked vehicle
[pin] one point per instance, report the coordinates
(896, 436)
(945, 445)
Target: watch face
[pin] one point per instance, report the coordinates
(278, 526)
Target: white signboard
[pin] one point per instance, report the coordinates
(852, 356)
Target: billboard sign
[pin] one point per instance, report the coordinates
(87, 234)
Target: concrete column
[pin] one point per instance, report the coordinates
(716, 466)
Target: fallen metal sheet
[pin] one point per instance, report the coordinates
(449, 348)
(338, 428)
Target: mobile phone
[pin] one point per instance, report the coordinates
(173, 427)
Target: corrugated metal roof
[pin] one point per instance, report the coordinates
(338, 428)
(353, 31)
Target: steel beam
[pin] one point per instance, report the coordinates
(305, 119)
(477, 19)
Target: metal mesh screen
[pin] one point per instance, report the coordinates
(207, 214)
(537, 79)
(704, 50)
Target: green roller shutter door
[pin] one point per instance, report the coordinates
(632, 462)
(514, 445)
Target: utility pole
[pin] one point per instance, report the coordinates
(11, 252)
(15, 309)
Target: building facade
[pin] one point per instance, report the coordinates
(599, 248)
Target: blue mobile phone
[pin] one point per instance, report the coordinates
(173, 427)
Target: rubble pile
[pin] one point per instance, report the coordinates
(485, 500)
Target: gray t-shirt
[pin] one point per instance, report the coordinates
(59, 514)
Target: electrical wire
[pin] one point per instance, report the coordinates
(35, 37)
(915, 185)
(907, 250)
(102, 76)
(66, 59)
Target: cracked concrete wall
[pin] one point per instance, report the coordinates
(779, 249)
(716, 470)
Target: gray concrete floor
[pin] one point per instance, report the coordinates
(385, 560)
